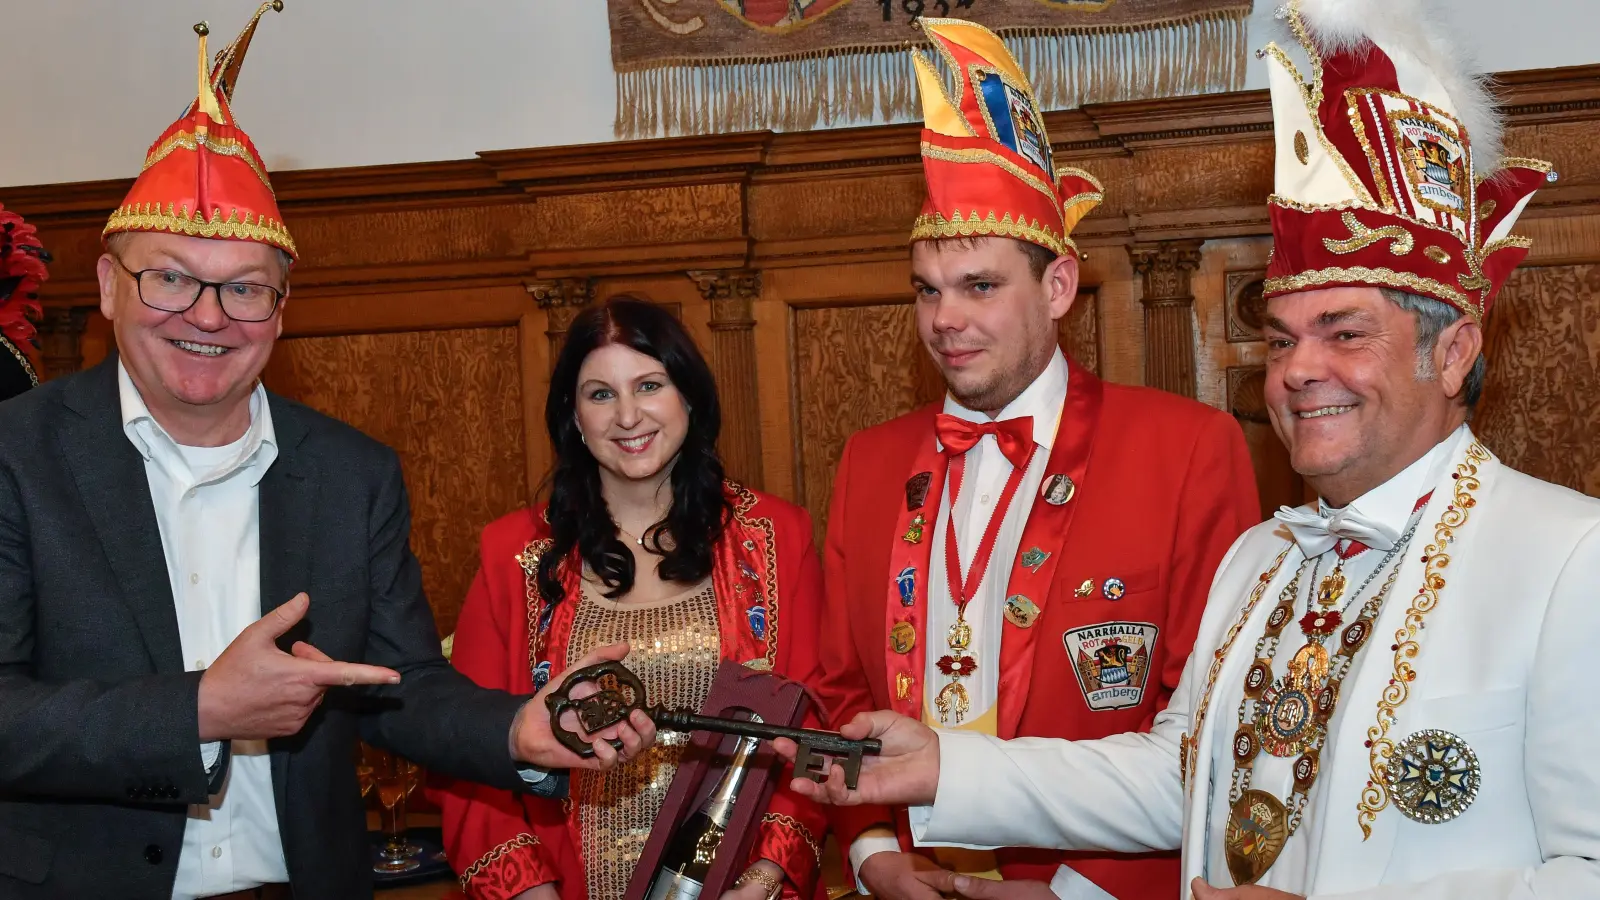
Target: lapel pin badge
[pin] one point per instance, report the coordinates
(1058, 490)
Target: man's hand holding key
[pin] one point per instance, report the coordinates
(255, 691)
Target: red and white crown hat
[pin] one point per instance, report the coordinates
(1388, 169)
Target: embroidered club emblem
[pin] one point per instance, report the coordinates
(1113, 662)
(1436, 162)
(906, 582)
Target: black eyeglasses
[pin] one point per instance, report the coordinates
(174, 292)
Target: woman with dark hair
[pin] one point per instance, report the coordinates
(643, 541)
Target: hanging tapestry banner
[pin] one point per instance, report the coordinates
(713, 66)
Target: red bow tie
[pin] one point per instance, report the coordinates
(1015, 436)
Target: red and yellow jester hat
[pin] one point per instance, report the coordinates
(987, 160)
(203, 176)
(1388, 162)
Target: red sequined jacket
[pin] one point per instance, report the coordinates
(768, 584)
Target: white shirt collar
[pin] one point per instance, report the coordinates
(258, 448)
(1393, 502)
(1043, 400)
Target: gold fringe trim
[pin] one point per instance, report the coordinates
(1068, 67)
(150, 217)
(936, 227)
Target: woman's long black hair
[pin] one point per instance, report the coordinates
(578, 513)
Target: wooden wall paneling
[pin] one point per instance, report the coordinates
(60, 336)
(1119, 318)
(403, 308)
(1230, 358)
(855, 366)
(1079, 330)
(1246, 307)
(772, 338)
(1218, 344)
(450, 404)
(731, 295)
(1538, 410)
(1168, 312)
(561, 300)
(533, 345)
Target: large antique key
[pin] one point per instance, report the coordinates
(620, 692)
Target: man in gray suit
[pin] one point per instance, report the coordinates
(167, 528)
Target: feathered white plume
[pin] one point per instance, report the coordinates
(1414, 29)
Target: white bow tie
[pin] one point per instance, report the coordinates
(1317, 534)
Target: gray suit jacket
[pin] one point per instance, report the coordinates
(99, 740)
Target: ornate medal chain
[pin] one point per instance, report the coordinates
(952, 699)
(1290, 716)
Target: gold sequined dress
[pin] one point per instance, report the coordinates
(674, 649)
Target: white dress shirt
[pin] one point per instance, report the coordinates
(207, 504)
(987, 470)
(1391, 504)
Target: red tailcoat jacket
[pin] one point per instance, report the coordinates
(1163, 487)
(504, 843)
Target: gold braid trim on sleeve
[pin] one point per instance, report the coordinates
(794, 824)
(493, 856)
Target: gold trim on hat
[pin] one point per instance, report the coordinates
(178, 220)
(223, 146)
(1406, 281)
(1517, 162)
(989, 157)
(935, 227)
(1361, 237)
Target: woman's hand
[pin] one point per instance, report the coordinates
(754, 888)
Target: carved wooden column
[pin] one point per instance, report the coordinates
(1168, 313)
(733, 358)
(61, 340)
(561, 299)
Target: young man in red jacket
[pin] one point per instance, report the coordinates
(1031, 557)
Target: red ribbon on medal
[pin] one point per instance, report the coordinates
(957, 436)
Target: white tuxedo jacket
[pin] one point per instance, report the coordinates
(1506, 657)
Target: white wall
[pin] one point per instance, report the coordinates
(90, 83)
